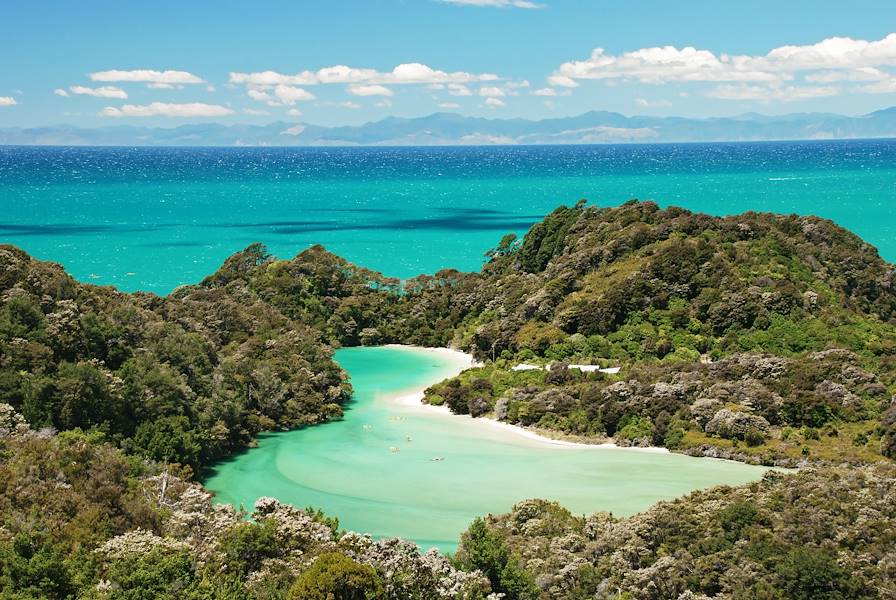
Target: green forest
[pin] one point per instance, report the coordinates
(762, 338)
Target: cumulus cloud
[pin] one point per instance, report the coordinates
(256, 112)
(494, 102)
(369, 90)
(281, 95)
(294, 112)
(259, 95)
(164, 109)
(7, 101)
(290, 95)
(407, 73)
(60, 92)
(491, 92)
(839, 59)
(146, 76)
(349, 104)
(562, 81)
(458, 89)
(449, 105)
(860, 74)
(785, 73)
(106, 91)
(551, 92)
(496, 3)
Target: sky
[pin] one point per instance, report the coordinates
(164, 63)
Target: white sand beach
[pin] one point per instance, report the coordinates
(461, 361)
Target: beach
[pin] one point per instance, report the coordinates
(458, 361)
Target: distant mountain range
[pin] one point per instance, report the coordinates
(595, 127)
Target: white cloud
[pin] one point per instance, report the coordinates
(764, 93)
(7, 101)
(259, 95)
(491, 92)
(834, 53)
(668, 63)
(210, 88)
(384, 103)
(60, 92)
(449, 105)
(644, 103)
(256, 112)
(545, 92)
(659, 65)
(407, 73)
(281, 95)
(458, 89)
(290, 95)
(860, 74)
(164, 109)
(106, 91)
(785, 73)
(294, 112)
(272, 78)
(496, 3)
(349, 104)
(494, 102)
(146, 76)
(562, 81)
(886, 86)
(369, 90)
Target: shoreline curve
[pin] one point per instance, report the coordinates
(461, 361)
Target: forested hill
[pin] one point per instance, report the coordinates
(647, 282)
(185, 380)
(192, 376)
(758, 337)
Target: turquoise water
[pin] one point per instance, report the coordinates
(374, 469)
(155, 218)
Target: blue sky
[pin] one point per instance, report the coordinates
(93, 63)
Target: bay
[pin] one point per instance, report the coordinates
(396, 468)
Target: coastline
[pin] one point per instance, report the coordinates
(461, 361)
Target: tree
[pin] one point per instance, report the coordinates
(334, 576)
(485, 550)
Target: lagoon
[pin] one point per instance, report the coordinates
(375, 471)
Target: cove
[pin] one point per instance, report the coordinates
(374, 469)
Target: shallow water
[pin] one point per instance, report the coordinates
(349, 469)
(154, 218)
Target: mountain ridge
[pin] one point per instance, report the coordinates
(447, 129)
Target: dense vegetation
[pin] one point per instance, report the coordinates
(813, 535)
(759, 337)
(82, 520)
(184, 379)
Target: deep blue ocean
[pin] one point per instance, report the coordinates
(155, 218)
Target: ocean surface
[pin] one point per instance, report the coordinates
(374, 469)
(155, 218)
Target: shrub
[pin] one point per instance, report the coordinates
(334, 576)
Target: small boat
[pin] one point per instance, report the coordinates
(437, 458)
(409, 438)
(393, 449)
(366, 427)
